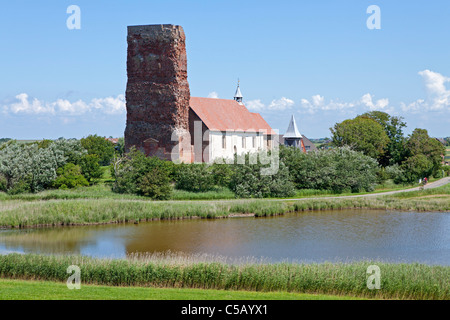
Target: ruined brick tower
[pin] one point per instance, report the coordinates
(157, 95)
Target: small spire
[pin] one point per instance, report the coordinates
(292, 131)
(238, 95)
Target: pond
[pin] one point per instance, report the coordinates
(335, 236)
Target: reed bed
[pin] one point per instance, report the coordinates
(102, 211)
(398, 281)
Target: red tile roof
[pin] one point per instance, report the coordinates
(223, 115)
(113, 140)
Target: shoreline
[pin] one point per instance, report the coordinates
(22, 214)
(102, 212)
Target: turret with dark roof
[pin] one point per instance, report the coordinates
(238, 95)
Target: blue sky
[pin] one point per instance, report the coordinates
(314, 59)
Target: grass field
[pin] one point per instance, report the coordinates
(398, 281)
(50, 290)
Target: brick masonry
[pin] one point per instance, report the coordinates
(157, 94)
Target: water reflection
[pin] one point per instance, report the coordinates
(342, 235)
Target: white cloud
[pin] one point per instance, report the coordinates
(367, 100)
(213, 95)
(437, 99)
(317, 100)
(434, 82)
(110, 105)
(281, 104)
(413, 107)
(438, 96)
(277, 104)
(22, 105)
(318, 103)
(255, 105)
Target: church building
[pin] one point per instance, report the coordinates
(228, 128)
(163, 120)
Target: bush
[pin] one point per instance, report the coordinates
(194, 177)
(446, 170)
(3, 183)
(396, 173)
(336, 169)
(43, 144)
(222, 174)
(33, 167)
(21, 186)
(71, 150)
(4, 140)
(155, 184)
(248, 181)
(70, 177)
(29, 164)
(438, 173)
(134, 173)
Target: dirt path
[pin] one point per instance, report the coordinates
(431, 185)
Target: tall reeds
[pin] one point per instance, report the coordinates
(100, 211)
(402, 281)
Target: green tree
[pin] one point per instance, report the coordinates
(90, 167)
(394, 152)
(103, 148)
(424, 155)
(361, 134)
(417, 167)
(120, 146)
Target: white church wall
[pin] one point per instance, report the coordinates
(234, 143)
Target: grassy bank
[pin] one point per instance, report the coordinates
(50, 290)
(20, 214)
(103, 191)
(83, 212)
(443, 191)
(403, 281)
